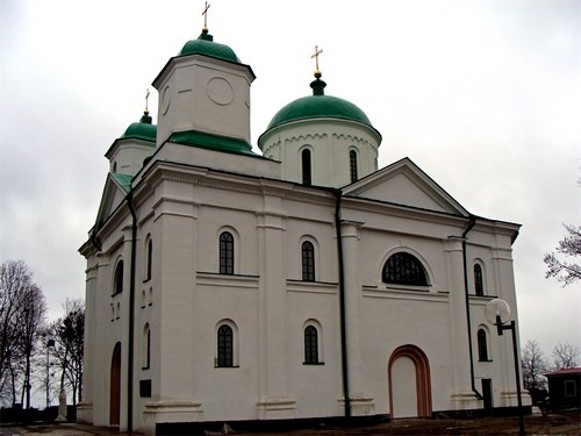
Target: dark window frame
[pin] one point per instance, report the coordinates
(403, 268)
(482, 341)
(149, 260)
(147, 351)
(311, 345)
(118, 278)
(353, 172)
(478, 280)
(308, 261)
(570, 388)
(225, 347)
(226, 249)
(307, 167)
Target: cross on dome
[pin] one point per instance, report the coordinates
(316, 56)
(146, 101)
(205, 14)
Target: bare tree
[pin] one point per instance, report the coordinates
(22, 311)
(565, 356)
(569, 269)
(534, 366)
(31, 324)
(68, 333)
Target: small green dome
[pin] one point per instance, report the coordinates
(318, 106)
(142, 130)
(206, 46)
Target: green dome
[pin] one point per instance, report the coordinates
(142, 130)
(206, 46)
(318, 106)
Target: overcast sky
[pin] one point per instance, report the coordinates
(484, 96)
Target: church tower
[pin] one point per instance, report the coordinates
(321, 140)
(204, 97)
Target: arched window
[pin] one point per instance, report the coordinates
(353, 165)
(306, 166)
(226, 253)
(404, 269)
(482, 345)
(311, 345)
(118, 279)
(478, 281)
(225, 356)
(149, 259)
(308, 261)
(146, 346)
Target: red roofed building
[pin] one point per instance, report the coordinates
(564, 386)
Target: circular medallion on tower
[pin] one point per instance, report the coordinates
(220, 91)
(165, 99)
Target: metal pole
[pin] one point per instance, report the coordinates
(521, 424)
(47, 376)
(500, 327)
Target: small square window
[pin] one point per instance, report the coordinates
(570, 388)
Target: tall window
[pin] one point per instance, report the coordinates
(482, 345)
(149, 259)
(404, 269)
(311, 345)
(308, 261)
(118, 280)
(306, 166)
(226, 253)
(146, 346)
(353, 165)
(225, 346)
(478, 282)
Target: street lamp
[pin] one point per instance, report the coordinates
(49, 343)
(497, 313)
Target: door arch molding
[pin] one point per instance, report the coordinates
(423, 382)
(115, 387)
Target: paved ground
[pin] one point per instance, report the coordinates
(557, 424)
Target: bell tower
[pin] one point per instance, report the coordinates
(204, 92)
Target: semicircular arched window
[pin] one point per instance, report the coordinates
(404, 269)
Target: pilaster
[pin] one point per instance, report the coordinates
(361, 403)
(462, 395)
(273, 402)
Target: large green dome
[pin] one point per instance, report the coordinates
(318, 106)
(142, 130)
(206, 46)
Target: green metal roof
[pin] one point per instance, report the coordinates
(124, 180)
(206, 46)
(318, 106)
(142, 130)
(210, 141)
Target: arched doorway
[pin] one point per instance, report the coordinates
(408, 366)
(115, 387)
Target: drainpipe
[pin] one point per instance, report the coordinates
(131, 313)
(471, 224)
(345, 372)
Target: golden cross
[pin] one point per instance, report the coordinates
(316, 56)
(205, 14)
(147, 100)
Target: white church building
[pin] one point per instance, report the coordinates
(225, 286)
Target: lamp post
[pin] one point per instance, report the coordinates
(497, 313)
(49, 343)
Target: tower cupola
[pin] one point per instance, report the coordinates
(204, 97)
(321, 139)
